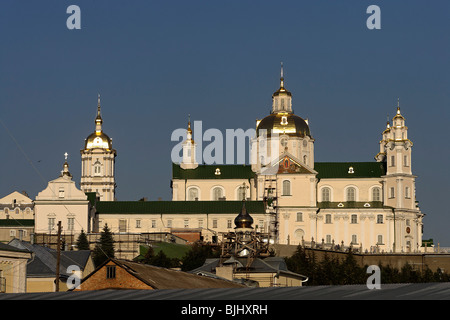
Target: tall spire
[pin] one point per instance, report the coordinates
(281, 76)
(98, 119)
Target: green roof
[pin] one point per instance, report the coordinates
(209, 172)
(350, 205)
(325, 170)
(16, 222)
(341, 169)
(177, 207)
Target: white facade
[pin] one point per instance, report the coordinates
(369, 205)
(62, 201)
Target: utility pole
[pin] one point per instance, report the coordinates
(58, 257)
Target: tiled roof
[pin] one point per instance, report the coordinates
(177, 207)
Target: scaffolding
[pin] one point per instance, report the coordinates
(271, 200)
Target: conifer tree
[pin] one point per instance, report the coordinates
(82, 241)
(104, 249)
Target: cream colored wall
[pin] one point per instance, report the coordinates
(269, 280)
(61, 211)
(338, 188)
(302, 190)
(205, 186)
(43, 285)
(104, 183)
(9, 233)
(17, 213)
(13, 269)
(161, 222)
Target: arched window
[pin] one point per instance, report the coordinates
(97, 168)
(286, 188)
(241, 193)
(351, 194)
(376, 194)
(326, 194)
(217, 193)
(193, 194)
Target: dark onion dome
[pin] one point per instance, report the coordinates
(284, 123)
(243, 220)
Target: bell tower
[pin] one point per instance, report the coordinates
(98, 162)
(189, 149)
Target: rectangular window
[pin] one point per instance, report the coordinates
(299, 217)
(379, 218)
(70, 224)
(200, 223)
(138, 224)
(407, 193)
(229, 223)
(328, 238)
(380, 239)
(392, 195)
(169, 223)
(286, 188)
(51, 224)
(61, 192)
(122, 225)
(354, 218)
(153, 223)
(22, 234)
(405, 161)
(186, 223)
(214, 223)
(392, 161)
(328, 218)
(354, 239)
(110, 272)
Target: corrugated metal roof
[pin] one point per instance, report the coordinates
(418, 291)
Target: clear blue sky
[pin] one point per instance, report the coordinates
(155, 62)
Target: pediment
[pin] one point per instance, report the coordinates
(287, 163)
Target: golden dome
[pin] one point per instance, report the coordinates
(284, 123)
(98, 140)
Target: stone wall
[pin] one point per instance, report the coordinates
(396, 260)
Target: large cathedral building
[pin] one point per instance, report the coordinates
(368, 205)
(292, 198)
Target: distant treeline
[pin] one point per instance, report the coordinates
(334, 271)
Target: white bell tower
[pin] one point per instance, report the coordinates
(98, 162)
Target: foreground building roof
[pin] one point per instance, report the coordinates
(406, 291)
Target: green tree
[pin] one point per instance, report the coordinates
(104, 249)
(197, 256)
(82, 241)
